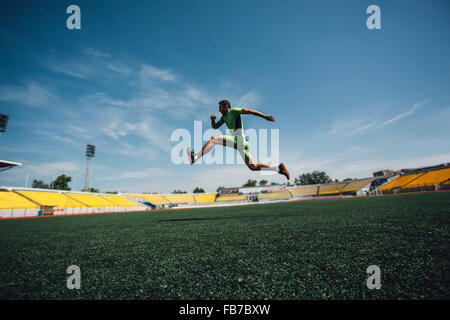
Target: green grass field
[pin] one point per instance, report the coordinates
(296, 250)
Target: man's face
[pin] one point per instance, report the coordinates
(223, 110)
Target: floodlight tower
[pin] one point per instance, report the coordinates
(90, 153)
(3, 122)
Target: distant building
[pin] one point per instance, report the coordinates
(389, 172)
(386, 172)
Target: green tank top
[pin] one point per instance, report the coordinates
(233, 121)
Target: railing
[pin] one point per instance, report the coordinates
(20, 213)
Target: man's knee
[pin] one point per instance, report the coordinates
(217, 140)
(213, 140)
(252, 166)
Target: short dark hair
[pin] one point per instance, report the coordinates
(225, 103)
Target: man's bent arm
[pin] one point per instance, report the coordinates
(268, 117)
(215, 125)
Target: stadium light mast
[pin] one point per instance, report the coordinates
(3, 122)
(90, 153)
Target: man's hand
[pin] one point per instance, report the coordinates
(269, 117)
(213, 117)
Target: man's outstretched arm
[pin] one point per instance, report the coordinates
(268, 117)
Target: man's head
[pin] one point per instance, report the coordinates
(224, 106)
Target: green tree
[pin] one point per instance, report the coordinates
(315, 177)
(220, 189)
(262, 183)
(61, 182)
(40, 184)
(199, 190)
(273, 183)
(178, 192)
(111, 192)
(93, 190)
(250, 183)
(348, 179)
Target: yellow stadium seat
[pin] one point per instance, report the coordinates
(92, 200)
(51, 198)
(120, 201)
(303, 191)
(274, 195)
(12, 200)
(152, 198)
(231, 198)
(401, 181)
(331, 188)
(357, 185)
(431, 178)
(205, 198)
(181, 198)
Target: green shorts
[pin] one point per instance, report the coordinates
(240, 144)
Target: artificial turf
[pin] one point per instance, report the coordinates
(294, 250)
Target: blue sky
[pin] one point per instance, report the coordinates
(347, 100)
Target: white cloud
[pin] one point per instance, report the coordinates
(249, 99)
(48, 170)
(119, 68)
(94, 52)
(143, 174)
(411, 111)
(352, 126)
(300, 164)
(157, 134)
(57, 137)
(149, 71)
(347, 127)
(117, 114)
(30, 95)
(365, 127)
(74, 69)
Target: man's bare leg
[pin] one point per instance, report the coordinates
(216, 140)
(249, 161)
(252, 165)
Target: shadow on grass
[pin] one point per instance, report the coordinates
(218, 218)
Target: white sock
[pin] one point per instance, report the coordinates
(279, 169)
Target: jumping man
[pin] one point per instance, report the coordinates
(232, 118)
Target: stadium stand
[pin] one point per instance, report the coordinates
(275, 195)
(430, 178)
(152, 198)
(13, 204)
(401, 181)
(92, 200)
(205, 198)
(12, 200)
(231, 198)
(328, 189)
(51, 198)
(20, 202)
(357, 185)
(303, 191)
(181, 198)
(120, 201)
